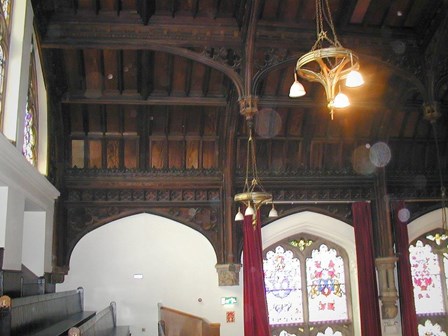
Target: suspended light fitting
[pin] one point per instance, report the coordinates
(253, 195)
(327, 65)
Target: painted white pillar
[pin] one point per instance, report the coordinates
(33, 248)
(15, 205)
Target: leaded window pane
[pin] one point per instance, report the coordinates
(306, 280)
(326, 285)
(430, 330)
(428, 293)
(283, 287)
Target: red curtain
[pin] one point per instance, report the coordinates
(368, 294)
(256, 321)
(409, 323)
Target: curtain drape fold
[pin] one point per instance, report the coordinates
(368, 294)
(409, 322)
(256, 321)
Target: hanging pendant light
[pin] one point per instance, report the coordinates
(253, 195)
(239, 215)
(273, 213)
(328, 62)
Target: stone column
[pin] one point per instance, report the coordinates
(388, 291)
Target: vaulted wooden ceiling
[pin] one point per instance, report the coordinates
(152, 85)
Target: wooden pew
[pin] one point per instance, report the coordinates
(103, 324)
(174, 322)
(43, 315)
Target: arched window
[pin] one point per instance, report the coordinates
(31, 116)
(307, 288)
(429, 269)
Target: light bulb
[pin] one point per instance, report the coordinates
(297, 90)
(341, 101)
(354, 79)
(249, 211)
(239, 216)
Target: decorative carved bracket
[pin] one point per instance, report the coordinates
(228, 274)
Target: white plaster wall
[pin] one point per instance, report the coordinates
(178, 267)
(33, 248)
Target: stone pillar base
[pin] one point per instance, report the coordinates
(228, 274)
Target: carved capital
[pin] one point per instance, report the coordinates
(388, 291)
(228, 274)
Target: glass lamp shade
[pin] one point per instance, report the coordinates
(297, 90)
(354, 79)
(341, 101)
(249, 211)
(239, 216)
(273, 213)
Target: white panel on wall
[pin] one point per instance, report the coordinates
(33, 248)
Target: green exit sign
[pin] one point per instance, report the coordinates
(228, 300)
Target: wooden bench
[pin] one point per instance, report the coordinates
(103, 324)
(47, 314)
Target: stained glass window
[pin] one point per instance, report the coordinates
(6, 10)
(5, 13)
(283, 287)
(326, 285)
(429, 270)
(306, 288)
(30, 126)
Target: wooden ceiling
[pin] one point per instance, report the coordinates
(181, 66)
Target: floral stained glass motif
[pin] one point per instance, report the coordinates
(329, 332)
(326, 285)
(430, 330)
(283, 287)
(428, 292)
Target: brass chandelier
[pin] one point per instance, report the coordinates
(253, 195)
(328, 63)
